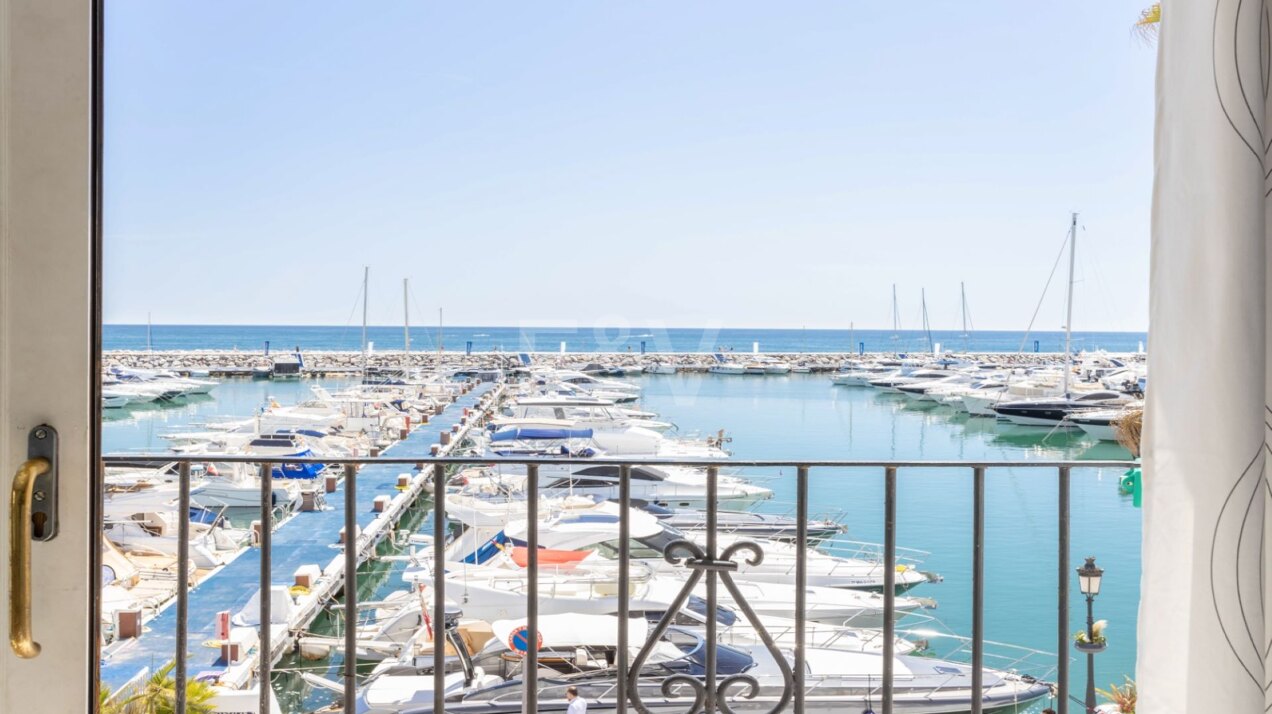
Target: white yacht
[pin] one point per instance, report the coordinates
(595, 532)
(668, 486)
(725, 366)
(1054, 413)
(581, 650)
(572, 413)
(1100, 423)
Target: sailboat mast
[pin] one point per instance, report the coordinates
(1068, 318)
(962, 290)
(896, 316)
(149, 347)
(406, 320)
(927, 328)
(366, 278)
(440, 343)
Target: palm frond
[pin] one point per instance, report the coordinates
(1149, 21)
(1130, 430)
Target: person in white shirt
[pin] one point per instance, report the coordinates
(577, 705)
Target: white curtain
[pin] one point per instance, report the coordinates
(1202, 642)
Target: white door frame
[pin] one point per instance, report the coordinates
(48, 330)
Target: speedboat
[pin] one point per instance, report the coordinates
(892, 383)
(113, 399)
(1054, 412)
(745, 523)
(836, 680)
(595, 532)
(1099, 423)
(859, 375)
(578, 413)
(156, 532)
(496, 592)
(667, 486)
(725, 366)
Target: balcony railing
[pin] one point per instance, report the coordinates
(710, 564)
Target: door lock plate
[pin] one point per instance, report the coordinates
(42, 444)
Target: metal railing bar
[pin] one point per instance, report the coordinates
(978, 589)
(183, 586)
(111, 459)
(266, 615)
(889, 583)
(713, 487)
(439, 588)
(351, 589)
(531, 668)
(1062, 591)
(623, 686)
(624, 583)
(801, 585)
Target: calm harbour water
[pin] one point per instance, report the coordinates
(600, 339)
(805, 417)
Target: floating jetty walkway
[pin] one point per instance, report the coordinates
(308, 538)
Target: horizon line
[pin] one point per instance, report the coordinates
(579, 328)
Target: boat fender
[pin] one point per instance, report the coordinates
(298, 591)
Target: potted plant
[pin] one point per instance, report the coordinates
(1086, 643)
(1122, 697)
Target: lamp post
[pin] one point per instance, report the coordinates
(1089, 582)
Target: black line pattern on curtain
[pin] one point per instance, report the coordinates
(1242, 79)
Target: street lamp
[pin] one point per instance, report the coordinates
(1089, 576)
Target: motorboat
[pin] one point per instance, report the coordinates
(723, 365)
(658, 367)
(836, 680)
(1098, 423)
(627, 443)
(893, 383)
(667, 486)
(114, 399)
(156, 532)
(578, 413)
(497, 592)
(286, 367)
(1055, 412)
(596, 531)
(594, 384)
(860, 375)
(745, 523)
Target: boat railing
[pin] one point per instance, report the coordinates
(871, 552)
(710, 563)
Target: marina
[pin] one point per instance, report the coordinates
(303, 543)
(788, 414)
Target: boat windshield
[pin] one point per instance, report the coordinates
(723, 615)
(694, 662)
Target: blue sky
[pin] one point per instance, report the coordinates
(742, 164)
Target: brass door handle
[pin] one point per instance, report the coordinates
(20, 638)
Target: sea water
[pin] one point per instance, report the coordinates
(805, 417)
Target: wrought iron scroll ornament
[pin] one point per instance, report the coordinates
(703, 564)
